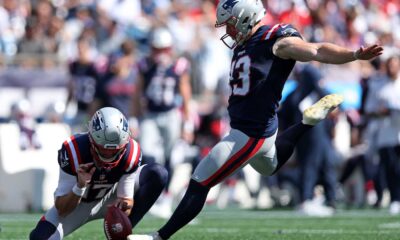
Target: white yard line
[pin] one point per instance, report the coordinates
(394, 225)
(295, 231)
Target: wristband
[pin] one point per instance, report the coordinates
(78, 191)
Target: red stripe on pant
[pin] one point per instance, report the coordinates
(244, 154)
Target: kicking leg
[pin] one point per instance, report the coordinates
(287, 140)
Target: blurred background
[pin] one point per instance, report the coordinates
(60, 60)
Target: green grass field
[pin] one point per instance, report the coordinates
(235, 224)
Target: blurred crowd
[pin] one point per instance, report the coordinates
(110, 47)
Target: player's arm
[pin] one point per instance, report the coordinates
(65, 204)
(137, 106)
(125, 193)
(297, 49)
(182, 68)
(185, 90)
(186, 93)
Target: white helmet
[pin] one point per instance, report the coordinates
(239, 16)
(161, 38)
(109, 136)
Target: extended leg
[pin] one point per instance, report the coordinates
(287, 140)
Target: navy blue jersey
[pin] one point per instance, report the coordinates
(161, 83)
(84, 78)
(76, 150)
(116, 90)
(257, 78)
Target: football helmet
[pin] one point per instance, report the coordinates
(109, 135)
(239, 17)
(161, 38)
(161, 42)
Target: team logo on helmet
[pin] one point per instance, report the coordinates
(96, 123)
(228, 5)
(125, 125)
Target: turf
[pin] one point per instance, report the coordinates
(236, 224)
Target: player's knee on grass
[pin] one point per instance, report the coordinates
(155, 174)
(43, 231)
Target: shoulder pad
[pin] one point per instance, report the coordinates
(280, 30)
(287, 30)
(70, 153)
(64, 160)
(133, 157)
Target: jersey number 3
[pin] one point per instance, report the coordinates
(240, 76)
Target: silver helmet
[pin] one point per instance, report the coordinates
(161, 38)
(239, 17)
(109, 135)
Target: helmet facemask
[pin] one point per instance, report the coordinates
(239, 17)
(106, 157)
(232, 37)
(109, 136)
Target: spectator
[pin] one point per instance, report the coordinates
(21, 115)
(82, 85)
(118, 85)
(389, 131)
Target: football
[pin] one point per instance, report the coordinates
(117, 225)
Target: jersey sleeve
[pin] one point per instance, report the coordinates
(133, 157)
(126, 186)
(287, 30)
(64, 160)
(278, 31)
(65, 184)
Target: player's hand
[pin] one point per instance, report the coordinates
(368, 53)
(85, 173)
(125, 204)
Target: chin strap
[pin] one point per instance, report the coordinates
(101, 164)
